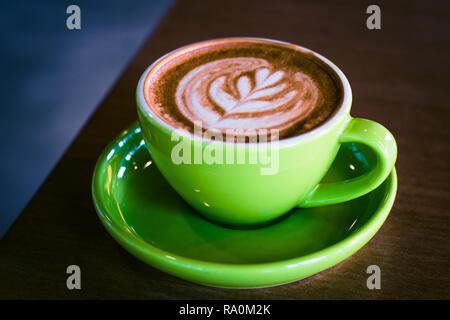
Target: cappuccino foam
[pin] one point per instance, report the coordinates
(243, 85)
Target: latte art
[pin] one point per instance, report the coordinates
(245, 93)
(244, 87)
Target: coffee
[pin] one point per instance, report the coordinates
(240, 85)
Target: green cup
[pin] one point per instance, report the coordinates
(247, 194)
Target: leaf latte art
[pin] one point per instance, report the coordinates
(245, 93)
(242, 88)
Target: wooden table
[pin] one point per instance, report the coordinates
(400, 77)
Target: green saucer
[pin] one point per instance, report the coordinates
(148, 218)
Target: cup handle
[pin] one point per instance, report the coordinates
(381, 141)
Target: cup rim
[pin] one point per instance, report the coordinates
(342, 109)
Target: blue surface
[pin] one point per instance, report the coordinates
(53, 78)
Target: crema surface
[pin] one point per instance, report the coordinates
(241, 87)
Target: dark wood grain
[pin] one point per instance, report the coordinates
(400, 78)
